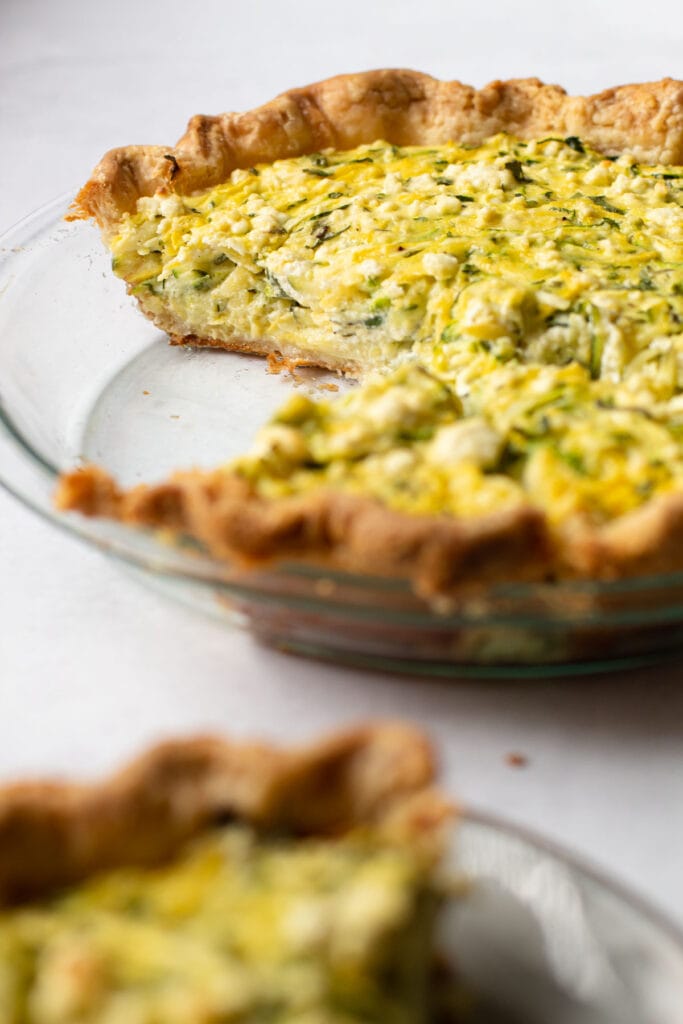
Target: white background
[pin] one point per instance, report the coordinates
(91, 665)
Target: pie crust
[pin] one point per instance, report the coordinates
(439, 555)
(403, 107)
(55, 833)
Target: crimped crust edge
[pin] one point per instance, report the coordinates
(54, 833)
(401, 106)
(439, 555)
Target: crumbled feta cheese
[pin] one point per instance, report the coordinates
(280, 440)
(392, 290)
(394, 407)
(268, 220)
(447, 204)
(440, 264)
(398, 461)
(479, 176)
(670, 217)
(472, 440)
(601, 174)
(422, 182)
(392, 184)
(553, 148)
(171, 206)
(370, 268)
(621, 186)
(239, 176)
(240, 226)
(306, 924)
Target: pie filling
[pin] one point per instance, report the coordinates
(240, 928)
(515, 310)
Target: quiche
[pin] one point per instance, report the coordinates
(213, 882)
(502, 271)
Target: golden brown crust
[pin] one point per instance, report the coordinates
(437, 554)
(52, 834)
(401, 106)
(646, 541)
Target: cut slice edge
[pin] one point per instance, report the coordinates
(290, 356)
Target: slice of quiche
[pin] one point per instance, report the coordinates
(504, 271)
(211, 882)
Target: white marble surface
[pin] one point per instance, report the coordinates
(91, 665)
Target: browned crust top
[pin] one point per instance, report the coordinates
(437, 554)
(55, 833)
(403, 107)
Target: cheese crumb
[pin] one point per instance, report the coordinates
(440, 264)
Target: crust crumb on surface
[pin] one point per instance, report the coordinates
(516, 760)
(53, 834)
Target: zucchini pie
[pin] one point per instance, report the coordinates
(502, 272)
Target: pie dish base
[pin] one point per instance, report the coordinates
(401, 106)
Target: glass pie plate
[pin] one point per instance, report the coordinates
(84, 377)
(539, 938)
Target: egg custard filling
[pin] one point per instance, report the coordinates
(239, 928)
(515, 309)
(550, 435)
